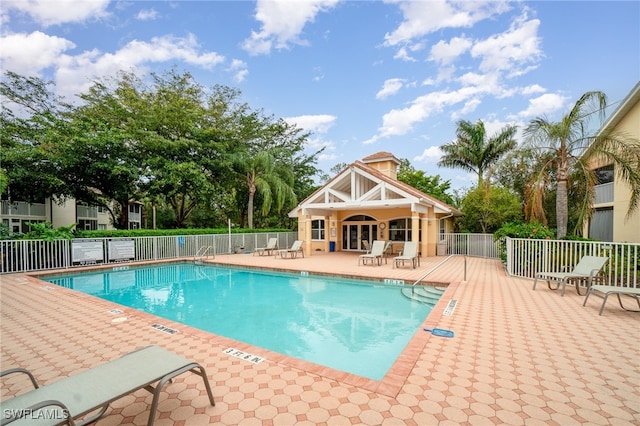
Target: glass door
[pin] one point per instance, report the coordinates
(354, 233)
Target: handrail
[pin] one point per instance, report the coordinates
(413, 286)
(204, 251)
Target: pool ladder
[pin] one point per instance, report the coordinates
(204, 251)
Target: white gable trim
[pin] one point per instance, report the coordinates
(355, 188)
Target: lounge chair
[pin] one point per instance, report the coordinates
(271, 246)
(75, 396)
(376, 254)
(588, 267)
(292, 252)
(367, 246)
(388, 248)
(606, 290)
(409, 253)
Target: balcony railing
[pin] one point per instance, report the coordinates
(21, 208)
(87, 212)
(604, 193)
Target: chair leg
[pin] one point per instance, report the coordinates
(606, 295)
(622, 306)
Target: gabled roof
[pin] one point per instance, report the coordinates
(361, 186)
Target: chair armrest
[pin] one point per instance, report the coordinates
(23, 371)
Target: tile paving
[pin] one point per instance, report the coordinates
(518, 356)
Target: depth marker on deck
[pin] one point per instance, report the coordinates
(254, 359)
(450, 307)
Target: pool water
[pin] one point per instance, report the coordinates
(355, 326)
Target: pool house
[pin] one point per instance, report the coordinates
(366, 202)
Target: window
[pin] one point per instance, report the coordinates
(601, 224)
(87, 225)
(317, 229)
(604, 174)
(400, 230)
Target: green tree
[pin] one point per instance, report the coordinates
(487, 209)
(100, 153)
(29, 118)
(183, 146)
(431, 185)
(473, 151)
(569, 150)
(263, 175)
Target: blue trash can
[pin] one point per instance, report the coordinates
(332, 246)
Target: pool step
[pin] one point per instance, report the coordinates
(424, 294)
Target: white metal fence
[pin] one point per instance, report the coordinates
(36, 255)
(477, 245)
(526, 257)
(523, 257)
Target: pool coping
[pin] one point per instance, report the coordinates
(391, 383)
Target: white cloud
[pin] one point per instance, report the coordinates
(47, 12)
(511, 50)
(445, 53)
(29, 54)
(282, 23)
(75, 73)
(320, 123)
(424, 17)
(403, 54)
(542, 105)
(390, 87)
(534, 88)
(147, 15)
(239, 68)
(429, 155)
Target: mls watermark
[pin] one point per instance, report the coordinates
(38, 414)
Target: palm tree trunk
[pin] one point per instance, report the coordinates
(562, 209)
(250, 208)
(562, 203)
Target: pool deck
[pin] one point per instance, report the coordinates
(518, 357)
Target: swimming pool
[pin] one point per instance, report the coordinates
(351, 325)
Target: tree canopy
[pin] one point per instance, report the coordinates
(167, 140)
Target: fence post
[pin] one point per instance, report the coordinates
(509, 251)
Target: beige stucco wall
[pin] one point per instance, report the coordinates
(63, 214)
(624, 229)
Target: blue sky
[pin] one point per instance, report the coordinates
(361, 76)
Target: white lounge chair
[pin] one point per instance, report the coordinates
(367, 246)
(588, 267)
(376, 254)
(68, 400)
(271, 246)
(409, 253)
(603, 292)
(292, 252)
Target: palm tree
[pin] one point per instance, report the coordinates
(473, 152)
(262, 174)
(571, 152)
